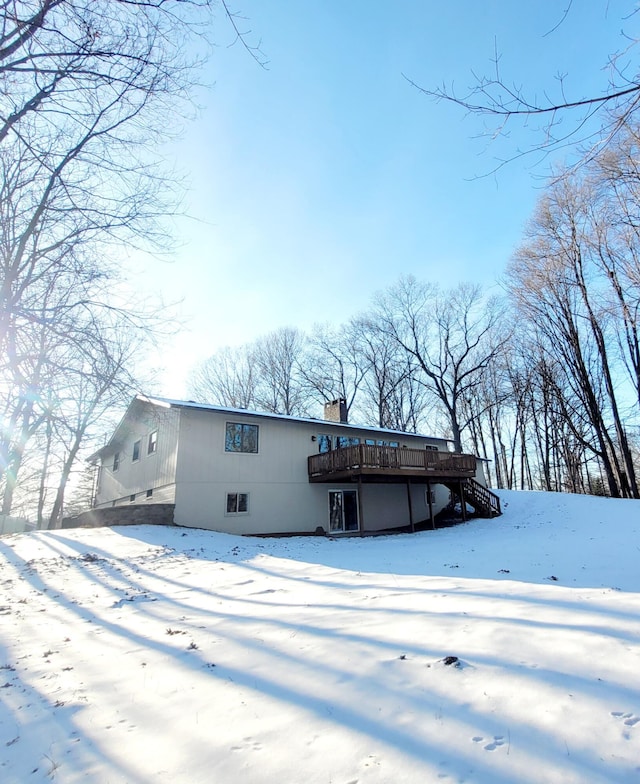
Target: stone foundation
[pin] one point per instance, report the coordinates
(135, 514)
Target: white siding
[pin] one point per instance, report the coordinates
(155, 471)
(480, 475)
(281, 499)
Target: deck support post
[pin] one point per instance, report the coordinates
(411, 524)
(430, 502)
(463, 503)
(360, 512)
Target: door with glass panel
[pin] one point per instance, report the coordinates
(343, 511)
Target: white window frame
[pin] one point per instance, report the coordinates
(152, 443)
(236, 513)
(138, 444)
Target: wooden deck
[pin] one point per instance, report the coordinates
(370, 463)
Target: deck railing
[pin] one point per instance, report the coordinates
(482, 498)
(393, 459)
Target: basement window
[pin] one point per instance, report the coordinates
(149, 493)
(237, 503)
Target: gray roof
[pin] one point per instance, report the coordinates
(165, 402)
(287, 417)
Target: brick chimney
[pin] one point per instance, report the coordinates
(336, 411)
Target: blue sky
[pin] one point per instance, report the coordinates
(322, 179)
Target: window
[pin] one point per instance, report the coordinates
(346, 441)
(237, 503)
(116, 461)
(241, 438)
(324, 443)
(149, 493)
(132, 497)
(431, 448)
(153, 442)
(136, 451)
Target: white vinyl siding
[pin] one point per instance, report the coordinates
(281, 498)
(155, 471)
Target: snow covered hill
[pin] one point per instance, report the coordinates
(495, 652)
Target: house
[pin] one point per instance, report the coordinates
(244, 472)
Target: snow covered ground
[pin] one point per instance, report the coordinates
(150, 654)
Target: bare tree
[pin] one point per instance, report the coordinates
(82, 494)
(226, 378)
(489, 412)
(276, 359)
(96, 379)
(390, 396)
(451, 337)
(331, 365)
(591, 122)
(86, 87)
(554, 283)
(76, 372)
(614, 242)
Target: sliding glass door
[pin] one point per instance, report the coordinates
(343, 511)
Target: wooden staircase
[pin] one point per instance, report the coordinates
(484, 502)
